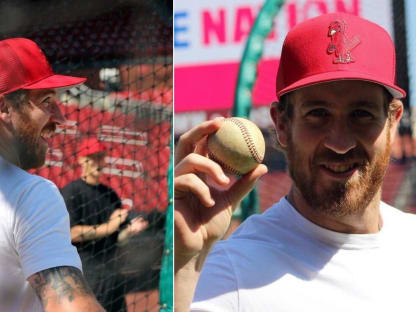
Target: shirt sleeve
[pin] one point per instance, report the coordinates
(217, 289)
(42, 233)
(70, 196)
(115, 199)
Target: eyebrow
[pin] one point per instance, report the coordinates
(320, 103)
(369, 104)
(309, 104)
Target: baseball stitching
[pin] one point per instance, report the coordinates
(248, 139)
(222, 164)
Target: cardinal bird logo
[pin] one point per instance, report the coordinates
(340, 44)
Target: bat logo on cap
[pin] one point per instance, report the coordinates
(340, 44)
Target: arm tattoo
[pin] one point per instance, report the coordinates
(63, 283)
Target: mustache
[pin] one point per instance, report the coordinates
(356, 155)
(50, 127)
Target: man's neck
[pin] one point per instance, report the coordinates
(90, 180)
(8, 148)
(367, 221)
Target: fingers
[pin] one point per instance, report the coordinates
(194, 163)
(191, 183)
(139, 221)
(244, 185)
(201, 147)
(187, 180)
(137, 225)
(188, 141)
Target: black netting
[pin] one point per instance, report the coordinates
(124, 48)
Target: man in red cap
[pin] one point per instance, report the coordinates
(330, 244)
(97, 223)
(41, 270)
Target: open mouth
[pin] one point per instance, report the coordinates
(47, 133)
(340, 170)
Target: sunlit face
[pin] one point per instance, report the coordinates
(92, 165)
(338, 145)
(32, 124)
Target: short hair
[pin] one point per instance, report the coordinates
(284, 106)
(17, 98)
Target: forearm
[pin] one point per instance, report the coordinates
(86, 303)
(123, 236)
(64, 289)
(81, 233)
(186, 278)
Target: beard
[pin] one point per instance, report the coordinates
(338, 198)
(31, 153)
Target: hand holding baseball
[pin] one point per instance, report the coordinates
(202, 213)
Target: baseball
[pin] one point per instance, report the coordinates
(238, 146)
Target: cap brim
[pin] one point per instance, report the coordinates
(56, 82)
(394, 90)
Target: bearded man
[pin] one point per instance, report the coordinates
(330, 244)
(40, 269)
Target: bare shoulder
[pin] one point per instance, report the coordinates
(62, 286)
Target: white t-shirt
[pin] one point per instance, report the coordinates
(34, 235)
(281, 262)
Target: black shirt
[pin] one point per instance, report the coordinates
(92, 205)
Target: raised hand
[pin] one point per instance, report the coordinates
(202, 211)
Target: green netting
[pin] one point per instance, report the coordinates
(246, 78)
(166, 277)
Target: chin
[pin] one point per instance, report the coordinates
(25, 165)
(32, 161)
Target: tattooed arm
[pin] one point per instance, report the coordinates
(64, 289)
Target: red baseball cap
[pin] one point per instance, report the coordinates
(24, 66)
(90, 146)
(337, 47)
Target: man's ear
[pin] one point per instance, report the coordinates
(4, 109)
(397, 113)
(280, 124)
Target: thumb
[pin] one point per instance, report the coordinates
(244, 185)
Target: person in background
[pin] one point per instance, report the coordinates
(140, 258)
(96, 218)
(40, 269)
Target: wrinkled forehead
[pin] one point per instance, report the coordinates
(342, 91)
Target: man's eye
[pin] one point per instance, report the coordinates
(46, 102)
(319, 112)
(362, 114)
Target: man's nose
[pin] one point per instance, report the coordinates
(340, 138)
(56, 114)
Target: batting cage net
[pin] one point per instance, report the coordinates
(124, 49)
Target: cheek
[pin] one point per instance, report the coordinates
(372, 134)
(307, 139)
(39, 118)
(303, 144)
(375, 139)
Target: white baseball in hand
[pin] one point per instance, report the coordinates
(238, 146)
